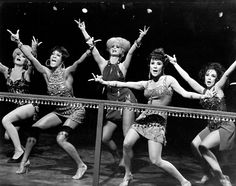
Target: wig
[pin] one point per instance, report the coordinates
(62, 50)
(123, 43)
(212, 66)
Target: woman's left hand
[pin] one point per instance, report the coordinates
(14, 37)
(172, 60)
(35, 43)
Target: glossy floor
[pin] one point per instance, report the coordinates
(51, 166)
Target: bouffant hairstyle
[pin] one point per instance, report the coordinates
(62, 50)
(158, 54)
(123, 43)
(17, 51)
(214, 66)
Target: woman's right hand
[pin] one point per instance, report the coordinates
(14, 37)
(97, 78)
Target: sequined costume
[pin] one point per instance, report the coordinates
(112, 72)
(226, 128)
(153, 126)
(56, 87)
(20, 86)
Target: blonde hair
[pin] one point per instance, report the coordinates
(18, 51)
(123, 43)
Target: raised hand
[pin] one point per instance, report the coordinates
(35, 43)
(172, 60)
(144, 31)
(14, 37)
(81, 24)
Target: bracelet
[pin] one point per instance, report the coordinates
(138, 44)
(19, 44)
(87, 39)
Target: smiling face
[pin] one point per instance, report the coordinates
(156, 67)
(55, 59)
(210, 78)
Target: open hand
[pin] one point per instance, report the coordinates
(172, 60)
(14, 37)
(35, 43)
(97, 78)
(144, 31)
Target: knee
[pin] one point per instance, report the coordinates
(203, 149)
(31, 140)
(5, 121)
(61, 138)
(193, 146)
(156, 161)
(127, 146)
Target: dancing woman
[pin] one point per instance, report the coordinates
(115, 68)
(18, 80)
(219, 134)
(159, 90)
(59, 82)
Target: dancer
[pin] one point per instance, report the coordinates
(18, 80)
(217, 133)
(115, 68)
(159, 90)
(59, 83)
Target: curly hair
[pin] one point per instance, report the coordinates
(123, 43)
(214, 66)
(62, 50)
(17, 51)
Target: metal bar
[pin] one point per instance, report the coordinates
(97, 158)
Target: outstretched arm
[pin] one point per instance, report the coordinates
(194, 84)
(191, 95)
(139, 85)
(73, 67)
(90, 41)
(225, 76)
(3, 68)
(136, 44)
(28, 53)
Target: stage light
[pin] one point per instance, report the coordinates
(123, 6)
(149, 10)
(84, 10)
(221, 14)
(54, 8)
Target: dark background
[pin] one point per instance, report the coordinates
(197, 32)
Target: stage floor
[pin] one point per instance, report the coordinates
(50, 165)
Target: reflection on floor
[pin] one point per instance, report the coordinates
(50, 165)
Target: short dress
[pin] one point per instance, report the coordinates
(226, 128)
(112, 72)
(20, 86)
(153, 126)
(56, 87)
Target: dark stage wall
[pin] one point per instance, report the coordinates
(198, 32)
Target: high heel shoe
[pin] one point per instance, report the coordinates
(225, 181)
(127, 179)
(24, 167)
(186, 183)
(19, 156)
(80, 172)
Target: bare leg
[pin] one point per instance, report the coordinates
(70, 149)
(206, 168)
(20, 113)
(212, 140)
(108, 130)
(155, 151)
(130, 139)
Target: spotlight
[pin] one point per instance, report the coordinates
(84, 10)
(54, 8)
(221, 14)
(123, 6)
(149, 10)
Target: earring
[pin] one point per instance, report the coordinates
(47, 63)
